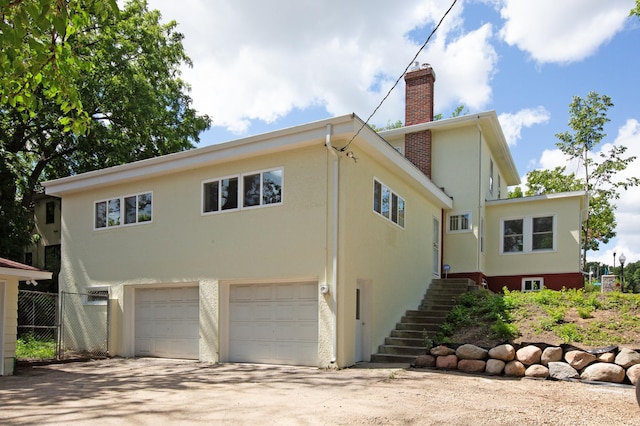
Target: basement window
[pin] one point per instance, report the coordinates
(532, 284)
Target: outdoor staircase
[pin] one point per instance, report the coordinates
(407, 340)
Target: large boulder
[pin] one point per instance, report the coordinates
(562, 371)
(529, 355)
(425, 361)
(633, 373)
(627, 357)
(447, 362)
(471, 365)
(495, 367)
(514, 369)
(442, 351)
(579, 359)
(471, 352)
(537, 371)
(551, 354)
(603, 372)
(504, 352)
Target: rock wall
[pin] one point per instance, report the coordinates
(539, 361)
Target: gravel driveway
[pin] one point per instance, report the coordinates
(146, 391)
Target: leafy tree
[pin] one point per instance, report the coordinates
(636, 10)
(136, 103)
(390, 125)
(516, 193)
(37, 56)
(460, 110)
(587, 119)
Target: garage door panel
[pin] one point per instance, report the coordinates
(167, 322)
(281, 330)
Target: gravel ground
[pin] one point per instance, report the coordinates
(146, 391)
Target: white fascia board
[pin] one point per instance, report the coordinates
(25, 274)
(280, 140)
(553, 196)
(386, 153)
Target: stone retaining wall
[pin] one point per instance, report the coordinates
(539, 361)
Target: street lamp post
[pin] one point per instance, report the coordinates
(622, 260)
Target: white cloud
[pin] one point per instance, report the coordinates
(561, 31)
(259, 60)
(512, 124)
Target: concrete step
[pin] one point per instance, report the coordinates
(393, 359)
(404, 341)
(427, 328)
(402, 350)
(407, 334)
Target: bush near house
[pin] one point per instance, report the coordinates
(29, 347)
(573, 316)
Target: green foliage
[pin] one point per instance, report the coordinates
(389, 126)
(552, 181)
(125, 76)
(516, 193)
(30, 347)
(588, 117)
(476, 307)
(635, 10)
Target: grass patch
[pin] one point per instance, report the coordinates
(29, 347)
(568, 316)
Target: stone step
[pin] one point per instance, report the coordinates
(393, 359)
(424, 314)
(408, 334)
(423, 320)
(402, 350)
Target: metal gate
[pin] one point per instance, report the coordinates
(69, 325)
(84, 325)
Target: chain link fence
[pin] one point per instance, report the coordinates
(37, 325)
(69, 325)
(84, 325)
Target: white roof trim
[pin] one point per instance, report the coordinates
(556, 195)
(25, 274)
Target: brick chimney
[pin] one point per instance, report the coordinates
(419, 109)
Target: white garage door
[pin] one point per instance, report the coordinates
(274, 323)
(166, 322)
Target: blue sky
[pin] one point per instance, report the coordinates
(262, 66)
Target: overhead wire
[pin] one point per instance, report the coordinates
(344, 148)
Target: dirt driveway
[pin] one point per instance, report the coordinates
(148, 391)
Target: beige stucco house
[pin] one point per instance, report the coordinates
(10, 274)
(304, 246)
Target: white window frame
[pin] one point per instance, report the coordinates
(460, 215)
(491, 175)
(98, 289)
(121, 199)
(241, 193)
(531, 280)
(395, 213)
(527, 234)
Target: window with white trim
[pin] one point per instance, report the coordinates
(242, 191)
(459, 222)
(388, 204)
(97, 295)
(128, 210)
(532, 284)
(528, 234)
(491, 176)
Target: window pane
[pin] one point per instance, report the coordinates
(377, 197)
(50, 212)
(252, 190)
(453, 223)
(464, 222)
(144, 207)
(130, 210)
(394, 208)
(229, 193)
(512, 241)
(101, 214)
(210, 197)
(386, 195)
(114, 212)
(272, 187)
(543, 224)
(400, 212)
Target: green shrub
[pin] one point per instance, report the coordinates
(30, 347)
(584, 312)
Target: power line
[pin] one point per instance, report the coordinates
(401, 75)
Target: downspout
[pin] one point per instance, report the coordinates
(479, 194)
(332, 237)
